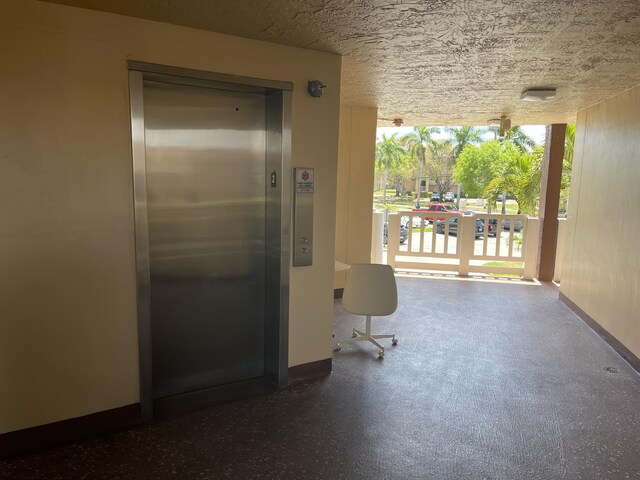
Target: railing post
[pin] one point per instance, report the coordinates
(393, 239)
(377, 232)
(466, 237)
(531, 240)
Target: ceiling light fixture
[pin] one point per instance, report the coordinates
(538, 94)
(505, 126)
(397, 122)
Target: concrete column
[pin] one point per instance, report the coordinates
(356, 161)
(550, 199)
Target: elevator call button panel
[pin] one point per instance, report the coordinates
(303, 217)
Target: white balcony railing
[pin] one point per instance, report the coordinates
(506, 244)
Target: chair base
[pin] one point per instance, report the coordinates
(366, 336)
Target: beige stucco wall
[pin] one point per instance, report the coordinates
(601, 268)
(356, 159)
(68, 332)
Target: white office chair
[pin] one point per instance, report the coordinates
(371, 291)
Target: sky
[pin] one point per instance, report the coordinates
(536, 132)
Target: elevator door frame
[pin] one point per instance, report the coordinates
(277, 212)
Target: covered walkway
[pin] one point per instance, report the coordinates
(490, 380)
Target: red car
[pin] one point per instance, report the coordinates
(438, 207)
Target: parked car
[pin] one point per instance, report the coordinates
(435, 197)
(493, 227)
(449, 197)
(453, 227)
(416, 222)
(438, 207)
(505, 224)
(517, 226)
(403, 234)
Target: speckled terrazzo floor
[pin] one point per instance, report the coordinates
(489, 381)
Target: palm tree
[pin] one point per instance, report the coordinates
(495, 130)
(521, 178)
(514, 134)
(567, 165)
(461, 136)
(388, 152)
(519, 138)
(569, 141)
(418, 142)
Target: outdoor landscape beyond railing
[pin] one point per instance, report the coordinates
(508, 244)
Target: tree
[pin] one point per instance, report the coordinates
(569, 141)
(418, 143)
(401, 171)
(440, 165)
(567, 165)
(476, 166)
(388, 152)
(516, 135)
(520, 177)
(462, 136)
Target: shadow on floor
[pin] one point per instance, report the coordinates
(487, 382)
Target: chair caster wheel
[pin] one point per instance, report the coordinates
(381, 354)
(338, 347)
(394, 341)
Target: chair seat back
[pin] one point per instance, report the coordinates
(370, 290)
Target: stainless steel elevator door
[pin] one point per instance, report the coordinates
(205, 174)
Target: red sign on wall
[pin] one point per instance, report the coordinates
(304, 180)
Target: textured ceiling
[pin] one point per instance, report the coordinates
(439, 62)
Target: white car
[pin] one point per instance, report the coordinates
(415, 222)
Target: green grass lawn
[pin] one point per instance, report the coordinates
(511, 207)
(504, 264)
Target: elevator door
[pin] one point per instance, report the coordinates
(205, 178)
